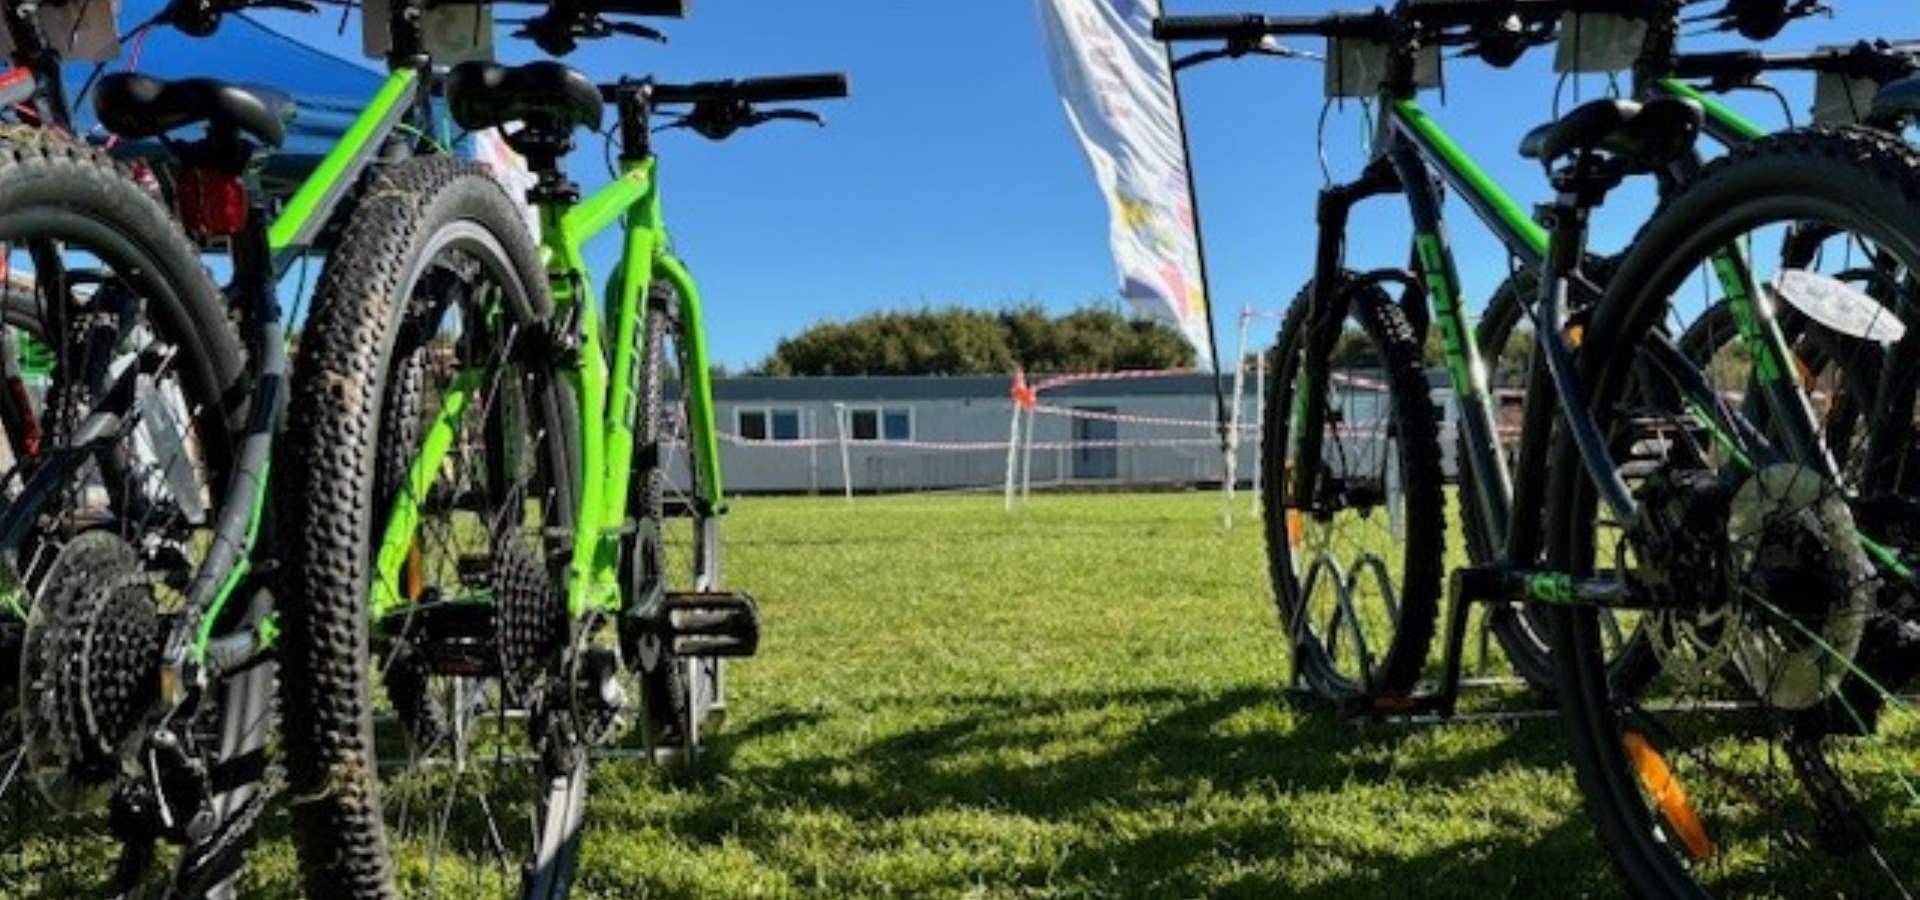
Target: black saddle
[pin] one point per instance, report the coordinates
(546, 95)
(1645, 136)
(137, 106)
(1897, 101)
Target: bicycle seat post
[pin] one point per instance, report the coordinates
(1579, 188)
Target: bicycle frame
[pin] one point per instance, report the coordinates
(609, 401)
(261, 253)
(607, 394)
(1413, 147)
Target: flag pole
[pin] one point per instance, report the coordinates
(1199, 241)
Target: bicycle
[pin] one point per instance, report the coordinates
(480, 494)
(1499, 35)
(169, 737)
(132, 499)
(1720, 487)
(1659, 70)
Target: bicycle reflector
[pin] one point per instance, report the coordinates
(212, 203)
(1668, 796)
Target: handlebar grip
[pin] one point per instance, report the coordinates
(1208, 28)
(1710, 65)
(775, 89)
(662, 9)
(1370, 25)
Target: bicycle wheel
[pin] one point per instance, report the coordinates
(1505, 335)
(1779, 758)
(432, 470)
(119, 461)
(1356, 564)
(662, 466)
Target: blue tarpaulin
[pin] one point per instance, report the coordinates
(330, 90)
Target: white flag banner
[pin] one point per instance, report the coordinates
(1117, 87)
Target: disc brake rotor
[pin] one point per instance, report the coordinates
(89, 668)
(1806, 585)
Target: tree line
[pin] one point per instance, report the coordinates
(959, 341)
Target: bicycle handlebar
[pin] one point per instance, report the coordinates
(1252, 27)
(1381, 25)
(1879, 61)
(773, 89)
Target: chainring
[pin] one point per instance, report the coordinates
(89, 668)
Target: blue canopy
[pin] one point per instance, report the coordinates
(330, 91)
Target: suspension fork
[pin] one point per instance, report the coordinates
(1326, 313)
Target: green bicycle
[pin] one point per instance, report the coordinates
(1713, 500)
(137, 528)
(482, 485)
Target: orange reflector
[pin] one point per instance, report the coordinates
(1576, 332)
(416, 576)
(1296, 528)
(1668, 796)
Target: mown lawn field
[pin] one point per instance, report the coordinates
(1083, 699)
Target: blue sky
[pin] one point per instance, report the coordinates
(951, 175)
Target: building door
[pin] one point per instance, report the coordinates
(1096, 462)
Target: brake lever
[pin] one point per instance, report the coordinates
(791, 115)
(634, 29)
(1264, 46)
(719, 120)
(300, 6)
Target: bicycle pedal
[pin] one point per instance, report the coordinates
(712, 624)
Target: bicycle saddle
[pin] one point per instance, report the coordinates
(138, 106)
(545, 95)
(1897, 101)
(1643, 135)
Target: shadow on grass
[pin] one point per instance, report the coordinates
(1137, 772)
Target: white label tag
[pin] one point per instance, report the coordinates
(1356, 68)
(452, 34)
(1839, 306)
(1840, 100)
(1598, 42)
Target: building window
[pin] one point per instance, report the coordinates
(753, 424)
(865, 424)
(892, 423)
(786, 424)
(769, 424)
(898, 424)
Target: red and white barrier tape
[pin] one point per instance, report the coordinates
(1087, 377)
(1075, 413)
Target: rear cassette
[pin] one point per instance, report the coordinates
(89, 669)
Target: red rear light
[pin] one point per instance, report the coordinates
(212, 203)
(16, 86)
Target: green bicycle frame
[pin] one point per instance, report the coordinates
(608, 396)
(291, 235)
(1415, 145)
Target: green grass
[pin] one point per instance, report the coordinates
(1080, 700)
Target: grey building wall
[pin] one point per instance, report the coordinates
(977, 411)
